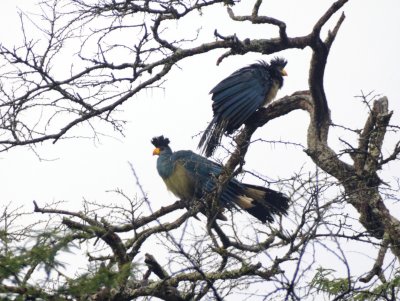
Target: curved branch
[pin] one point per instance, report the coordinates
(256, 19)
(317, 68)
(298, 100)
(326, 17)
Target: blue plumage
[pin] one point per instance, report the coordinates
(191, 176)
(238, 96)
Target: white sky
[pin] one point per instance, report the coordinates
(365, 56)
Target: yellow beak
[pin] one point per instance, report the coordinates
(156, 151)
(283, 72)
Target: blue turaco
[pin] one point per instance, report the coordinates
(240, 95)
(190, 176)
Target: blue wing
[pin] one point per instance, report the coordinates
(204, 174)
(235, 99)
(200, 175)
(241, 94)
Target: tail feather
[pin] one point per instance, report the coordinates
(212, 136)
(265, 203)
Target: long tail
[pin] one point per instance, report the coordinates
(212, 136)
(263, 203)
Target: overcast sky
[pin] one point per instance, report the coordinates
(365, 56)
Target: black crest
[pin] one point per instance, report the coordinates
(160, 141)
(278, 62)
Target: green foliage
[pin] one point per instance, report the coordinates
(325, 282)
(17, 263)
(48, 245)
(90, 283)
(42, 254)
(3, 236)
(11, 265)
(385, 289)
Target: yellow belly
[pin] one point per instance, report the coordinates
(180, 183)
(272, 93)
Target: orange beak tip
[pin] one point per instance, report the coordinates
(156, 151)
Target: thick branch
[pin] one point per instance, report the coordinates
(317, 68)
(299, 100)
(155, 267)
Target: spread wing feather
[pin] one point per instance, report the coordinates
(238, 116)
(235, 99)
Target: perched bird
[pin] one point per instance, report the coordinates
(238, 96)
(191, 176)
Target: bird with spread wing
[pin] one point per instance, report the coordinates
(238, 96)
(191, 176)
